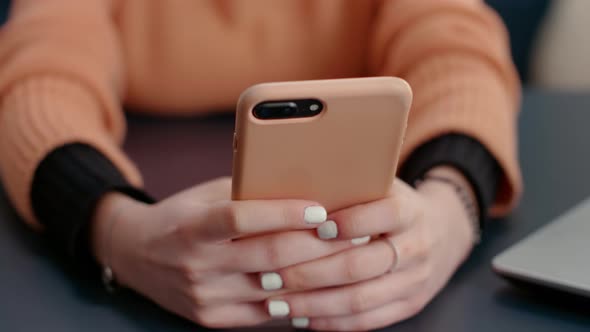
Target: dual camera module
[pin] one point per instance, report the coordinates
(288, 109)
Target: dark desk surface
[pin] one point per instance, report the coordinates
(39, 292)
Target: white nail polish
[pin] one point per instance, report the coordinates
(271, 281)
(277, 308)
(315, 215)
(328, 230)
(361, 240)
(300, 322)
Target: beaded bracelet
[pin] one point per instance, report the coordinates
(466, 199)
(108, 276)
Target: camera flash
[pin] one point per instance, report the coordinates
(314, 107)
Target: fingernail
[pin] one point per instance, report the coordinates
(315, 215)
(361, 240)
(328, 230)
(271, 281)
(277, 308)
(300, 322)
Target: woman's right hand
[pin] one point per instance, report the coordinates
(194, 254)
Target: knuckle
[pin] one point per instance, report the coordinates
(184, 237)
(415, 305)
(200, 296)
(230, 214)
(203, 318)
(285, 215)
(353, 266)
(302, 306)
(350, 226)
(424, 273)
(189, 273)
(424, 245)
(419, 248)
(296, 278)
(420, 252)
(404, 250)
(191, 269)
(350, 221)
(274, 254)
(360, 301)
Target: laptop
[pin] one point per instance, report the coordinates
(556, 256)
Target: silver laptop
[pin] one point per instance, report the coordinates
(557, 255)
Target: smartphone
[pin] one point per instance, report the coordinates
(336, 141)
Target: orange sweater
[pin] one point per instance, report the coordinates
(68, 66)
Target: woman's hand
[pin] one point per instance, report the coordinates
(426, 235)
(199, 254)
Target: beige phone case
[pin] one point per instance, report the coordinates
(345, 155)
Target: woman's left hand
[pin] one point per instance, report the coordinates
(426, 235)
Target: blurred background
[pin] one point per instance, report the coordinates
(549, 39)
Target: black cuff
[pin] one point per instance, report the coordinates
(66, 188)
(464, 153)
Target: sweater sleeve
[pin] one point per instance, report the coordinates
(66, 187)
(61, 79)
(466, 155)
(455, 55)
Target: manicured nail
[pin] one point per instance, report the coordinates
(277, 308)
(271, 281)
(361, 240)
(300, 322)
(328, 230)
(315, 215)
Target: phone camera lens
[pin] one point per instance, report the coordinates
(263, 113)
(276, 110)
(287, 111)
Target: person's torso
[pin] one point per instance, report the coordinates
(187, 56)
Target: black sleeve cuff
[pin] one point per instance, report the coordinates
(464, 153)
(67, 185)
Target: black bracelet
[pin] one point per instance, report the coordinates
(466, 199)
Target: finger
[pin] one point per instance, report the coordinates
(272, 252)
(389, 215)
(369, 219)
(409, 248)
(229, 315)
(240, 287)
(235, 219)
(233, 288)
(351, 266)
(357, 298)
(378, 318)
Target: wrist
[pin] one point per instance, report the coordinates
(110, 211)
(456, 177)
(453, 192)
